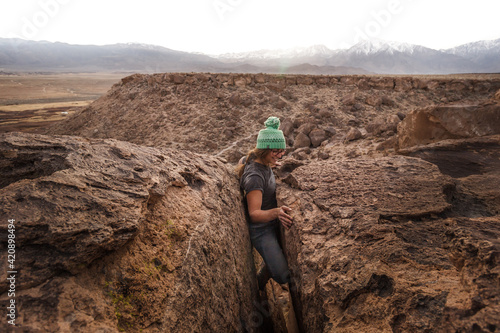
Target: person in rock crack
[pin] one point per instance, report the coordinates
(259, 187)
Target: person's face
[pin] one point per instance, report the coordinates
(274, 155)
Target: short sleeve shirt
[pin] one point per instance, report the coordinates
(260, 177)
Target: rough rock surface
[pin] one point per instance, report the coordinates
(112, 236)
(475, 163)
(378, 247)
(436, 123)
(382, 243)
(221, 113)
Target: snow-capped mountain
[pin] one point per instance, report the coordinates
(400, 58)
(296, 52)
(374, 46)
(373, 56)
(384, 57)
(23, 55)
(483, 53)
(475, 49)
(313, 55)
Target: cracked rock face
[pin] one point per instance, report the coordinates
(437, 123)
(115, 236)
(376, 245)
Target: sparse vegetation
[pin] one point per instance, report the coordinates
(123, 307)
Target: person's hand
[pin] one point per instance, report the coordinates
(284, 217)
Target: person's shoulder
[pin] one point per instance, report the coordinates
(252, 170)
(249, 168)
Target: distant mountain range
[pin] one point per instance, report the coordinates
(384, 57)
(374, 56)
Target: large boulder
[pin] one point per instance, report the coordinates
(436, 123)
(475, 163)
(378, 246)
(111, 236)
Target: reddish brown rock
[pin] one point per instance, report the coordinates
(129, 79)
(349, 100)
(376, 127)
(241, 80)
(476, 162)
(287, 127)
(382, 83)
(403, 84)
(260, 78)
(305, 80)
(387, 144)
(420, 83)
(433, 85)
(373, 249)
(363, 84)
(349, 80)
(371, 252)
(322, 80)
(306, 128)
(317, 136)
(438, 123)
(301, 140)
(153, 110)
(459, 85)
(387, 101)
(202, 77)
(291, 80)
(374, 100)
(178, 78)
(235, 99)
(278, 102)
(353, 134)
(112, 236)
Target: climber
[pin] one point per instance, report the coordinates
(259, 186)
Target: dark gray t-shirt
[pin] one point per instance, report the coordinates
(260, 177)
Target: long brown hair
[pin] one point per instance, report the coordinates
(252, 155)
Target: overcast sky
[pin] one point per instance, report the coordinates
(221, 26)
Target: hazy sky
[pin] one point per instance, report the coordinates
(220, 26)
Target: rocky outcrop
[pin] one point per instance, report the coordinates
(475, 163)
(208, 113)
(111, 236)
(379, 245)
(436, 123)
(115, 236)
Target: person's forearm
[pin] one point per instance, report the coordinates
(263, 216)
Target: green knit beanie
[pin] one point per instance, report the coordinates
(271, 137)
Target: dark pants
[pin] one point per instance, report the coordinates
(264, 237)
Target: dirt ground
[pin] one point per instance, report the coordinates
(29, 102)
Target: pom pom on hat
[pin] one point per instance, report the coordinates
(272, 122)
(271, 137)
